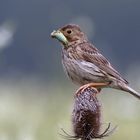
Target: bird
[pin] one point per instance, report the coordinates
(85, 65)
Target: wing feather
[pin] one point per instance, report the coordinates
(91, 54)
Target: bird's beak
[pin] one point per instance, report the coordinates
(59, 36)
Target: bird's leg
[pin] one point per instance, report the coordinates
(95, 85)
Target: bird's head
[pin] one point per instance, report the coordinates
(68, 34)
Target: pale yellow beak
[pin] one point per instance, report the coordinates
(59, 36)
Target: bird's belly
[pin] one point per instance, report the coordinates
(79, 75)
(82, 78)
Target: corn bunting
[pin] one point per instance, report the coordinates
(84, 64)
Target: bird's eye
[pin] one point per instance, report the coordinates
(69, 31)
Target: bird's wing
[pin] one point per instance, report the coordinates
(91, 54)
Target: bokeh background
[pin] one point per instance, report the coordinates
(36, 98)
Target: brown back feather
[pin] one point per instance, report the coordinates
(91, 54)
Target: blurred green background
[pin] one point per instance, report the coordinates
(36, 98)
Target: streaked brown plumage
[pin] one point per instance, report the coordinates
(83, 62)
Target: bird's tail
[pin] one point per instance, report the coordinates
(130, 90)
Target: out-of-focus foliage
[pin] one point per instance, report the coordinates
(35, 97)
(33, 111)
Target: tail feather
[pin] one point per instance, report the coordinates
(131, 91)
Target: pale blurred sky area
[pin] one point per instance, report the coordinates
(25, 25)
(35, 95)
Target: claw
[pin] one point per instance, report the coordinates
(95, 85)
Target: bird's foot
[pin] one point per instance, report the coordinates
(94, 85)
